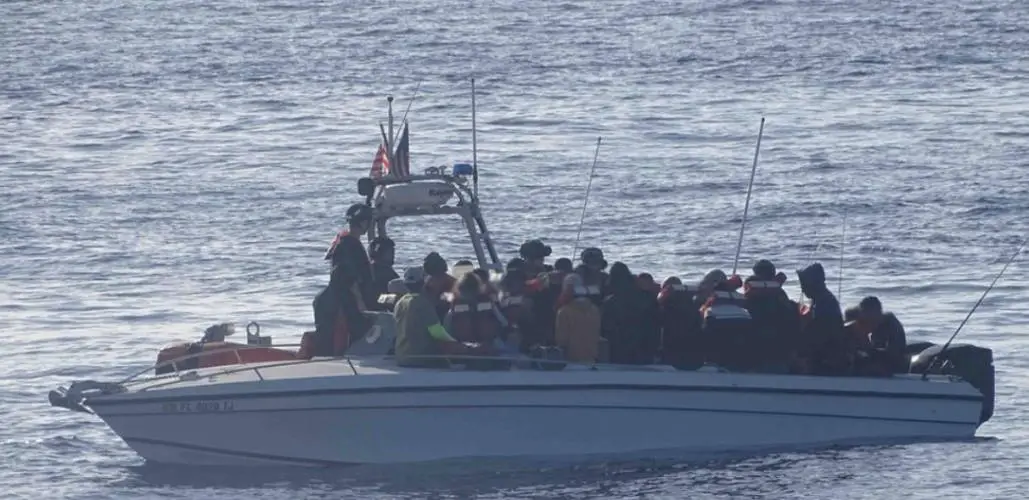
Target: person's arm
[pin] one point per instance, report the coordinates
(439, 333)
(436, 330)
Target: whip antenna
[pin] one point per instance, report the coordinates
(475, 149)
(750, 187)
(585, 202)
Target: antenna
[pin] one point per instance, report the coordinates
(585, 202)
(475, 149)
(843, 246)
(932, 362)
(750, 187)
(389, 146)
(409, 103)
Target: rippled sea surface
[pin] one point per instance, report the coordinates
(168, 165)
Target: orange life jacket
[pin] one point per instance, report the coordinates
(725, 304)
(218, 354)
(667, 291)
(516, 308)
(474, 320)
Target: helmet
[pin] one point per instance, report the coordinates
(414, 275)
(534, 249)
(433, 264)
(358, 213)
(593, 257)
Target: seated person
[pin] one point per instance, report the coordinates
(420, 336)
(577, 329)
(886, 334)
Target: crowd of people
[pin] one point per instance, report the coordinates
(590, 312)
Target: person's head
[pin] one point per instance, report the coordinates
(483, 276)
(646, 282)
(534, 252)
(712, 280)
(414, 279)
(469, 286)
(563, 265)
(359, 218)
(621, 277)
(870, 311)
(764, 270)
(434, 265)
(671, 281)
(593, 258)
(381, 250)
(812, 279)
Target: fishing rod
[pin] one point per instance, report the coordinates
(585, 202)
(935, 358)
(750, 187)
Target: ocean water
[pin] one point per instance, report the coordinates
(168, 165)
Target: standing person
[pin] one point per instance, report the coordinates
(630, 320)
(823, 335)
(352, 270)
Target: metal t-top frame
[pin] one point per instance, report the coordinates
(467, 207)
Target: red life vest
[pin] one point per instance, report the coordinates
(474, 320)
(668, 291)
(756, 287)
(335, 243)
(517, 308)
(723, 304)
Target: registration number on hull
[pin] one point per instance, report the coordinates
(216, 406)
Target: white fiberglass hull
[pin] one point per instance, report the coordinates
(420, 415)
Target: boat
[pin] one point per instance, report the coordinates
(257, 404)
(363, 409)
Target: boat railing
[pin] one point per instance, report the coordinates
(180, 374)
(488, 363)
(176, 363)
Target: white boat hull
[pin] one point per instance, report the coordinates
(426, 415)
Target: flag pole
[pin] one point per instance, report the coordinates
(475, 149)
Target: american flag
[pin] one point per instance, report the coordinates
(402, 156)
(380, 166)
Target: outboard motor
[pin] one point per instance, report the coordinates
(971, 363)
(912, 349)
